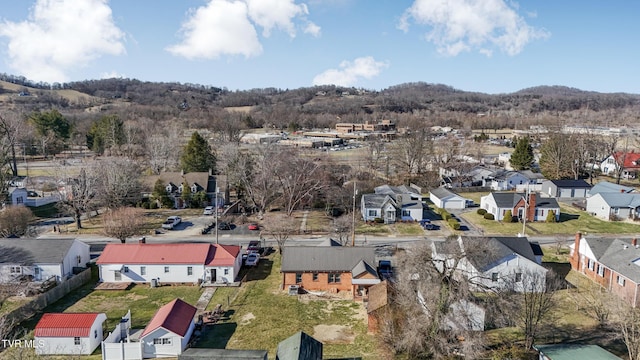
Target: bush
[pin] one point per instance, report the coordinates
(153, 205)
(455, 225)
(481, 211)
(378, 220)
(489, 216)
(551, 217)
(508, 217)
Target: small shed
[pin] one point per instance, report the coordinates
(300, 346)
(445, 199)
(573, 351)
(222, 354)
(566, 188)
(69, 333)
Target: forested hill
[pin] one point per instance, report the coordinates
(317, 106)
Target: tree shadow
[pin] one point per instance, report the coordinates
(216, 336)
(260, 272)
(566, 217)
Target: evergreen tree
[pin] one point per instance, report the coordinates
(522, 156)
(106, 133)
(508, 216)
(197, 155)
(186, 193)
(160, 194)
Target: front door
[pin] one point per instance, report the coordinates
(213, 275)
(118, 276)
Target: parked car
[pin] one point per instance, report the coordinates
(171, 222)
(208, 210)
(385, 270)
(252, 259)
(253, 226)
(254, 247)
(224, 226)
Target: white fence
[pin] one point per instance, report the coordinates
(116, 345)
(529, 187)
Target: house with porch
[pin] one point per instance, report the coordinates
(613, 264)
(627, 164)
(614, 206)
(197, 181)
(534, 207)
(41, 259)
(193, 263)
(331, 269)
(68, 333)
(511, 263)
(504, 180)
(393, 203)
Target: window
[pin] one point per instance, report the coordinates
(161, 341)
(591, 264)
(166, 341)
(189, 270)
(76, 341)
(406, 213)
(166, 269)
(373, 213)
(334, 277)
(143, 270)
(518, 277)
(226, 271)
(298, 278)
(126, 269)
(315, 276)
(36, 271)
(117, 275)
(494, 276)
(95, 334)
(19, 200)
(16, 270)
(600, 270)
(620, 280)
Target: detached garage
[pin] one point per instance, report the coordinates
(445, 199)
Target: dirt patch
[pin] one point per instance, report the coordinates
(334, 334)
(246, 319)
(134, 297)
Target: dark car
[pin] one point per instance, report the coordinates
(385, 270)
(254, 247)
(224, 226)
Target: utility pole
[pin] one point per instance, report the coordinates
(353, 216)
(524, 218)
(217, 208)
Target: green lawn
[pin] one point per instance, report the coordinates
(261, 315)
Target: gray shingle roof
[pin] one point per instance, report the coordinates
(571, 183)
(300, 346)
(375, 201)
(325, 258)
(506, 199)
(621, 199)
(615, 256)
(34, 251)
(363, 267)
(607, 187)
(442, 193)
(329, 242)
(394, 190)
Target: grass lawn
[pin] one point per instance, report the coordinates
(13, 303)
(372, 229)
(260, 315)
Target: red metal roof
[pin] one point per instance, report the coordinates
(631, 159)
(66, 324)
(176, 317)
(184, 253)
(222, 255)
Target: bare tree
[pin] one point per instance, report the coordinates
(342, 227)
(161, 152)
(261, 185)
(118, 182)
(12, 128)
(595, 301)
(280, 228)
(410, 152)
(299, 179)
(627, 321)
(123, 223)
(15, 220)
(78, 195)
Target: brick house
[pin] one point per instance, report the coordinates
(330, 268)
(614, 264)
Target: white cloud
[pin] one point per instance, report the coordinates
(61, 35)
(228, 27)
(465, 25)
(351, 72)
(112, 75)
(219, 28)
(271, 14)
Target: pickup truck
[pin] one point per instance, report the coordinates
(384, 269)
(171, 222)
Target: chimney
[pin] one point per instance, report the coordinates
(634, 242)
(182, 172)
(576, 251)
(531, 207)
(622, 191)
(143, 240)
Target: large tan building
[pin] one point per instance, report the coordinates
(345, 128)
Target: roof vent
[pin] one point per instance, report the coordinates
(625, 246)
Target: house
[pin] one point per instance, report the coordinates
(169, 331)
(537, 209)
(614, 206)
(170, 263)
(445, 199)
(573, 351)
(507, 180)
(565, 188)
(30, 198)
(41, 259)
(494, 262)
(614, 264)
(393, 203)
(197, 181)
(299, 346)
(475, 176)
(330, 269)
(223, 354)
(607, 187)
(379, 298)
(68, 333)
(627, 164)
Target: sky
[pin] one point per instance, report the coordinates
(490, 46)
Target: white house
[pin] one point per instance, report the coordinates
(41, 259)
(169, 331)
(68, 333)
(393, 203)
(620, 205)
(537, 209)
(170, 263)
(496, 263)
(445, 199)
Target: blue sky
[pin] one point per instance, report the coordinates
(491, 46)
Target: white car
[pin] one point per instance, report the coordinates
(171, 222)
(208, 210)
(252, 259)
